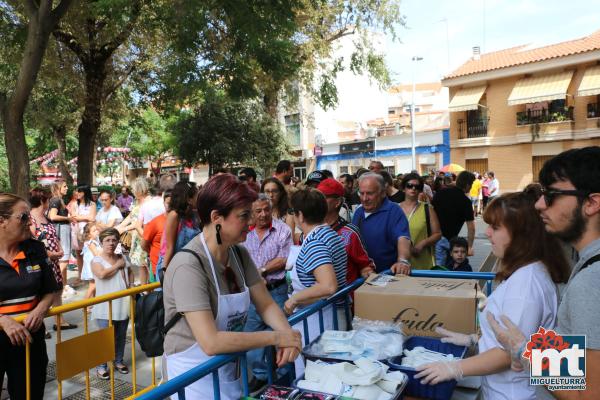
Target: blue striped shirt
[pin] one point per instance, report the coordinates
(323, 246)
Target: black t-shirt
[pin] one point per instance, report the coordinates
(56, 202)
(397, 197)
(453, 208)
(21, 290)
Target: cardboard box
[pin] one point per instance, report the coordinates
(422, 304)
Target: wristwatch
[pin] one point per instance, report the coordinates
(262, 271)
(404, 261)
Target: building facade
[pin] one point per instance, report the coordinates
(512, 110)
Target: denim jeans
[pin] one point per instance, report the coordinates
(442, 252)
(254, 323)
(120, 336)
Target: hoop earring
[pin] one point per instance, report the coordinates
(218, 229)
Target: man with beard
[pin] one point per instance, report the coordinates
(570, 209)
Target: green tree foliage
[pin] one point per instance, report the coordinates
(223, 132)
(148, 135)
(40, 18)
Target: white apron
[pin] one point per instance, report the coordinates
(231, 316)
(296, 286)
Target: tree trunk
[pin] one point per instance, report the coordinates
(59, 133)
(271, 102)
(16, 151)
(90, 122)
(42, 20)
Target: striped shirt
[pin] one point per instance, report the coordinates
(274, 244)
(322, 246)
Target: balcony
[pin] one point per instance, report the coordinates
(472, 128)
(593, 111)
(544, 116)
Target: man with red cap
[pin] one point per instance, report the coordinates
(359, 263)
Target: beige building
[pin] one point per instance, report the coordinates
(513, 109)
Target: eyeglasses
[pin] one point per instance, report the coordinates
(415, 187)
(23, 217)
(242, 178)
(550, 194)
(292, 211)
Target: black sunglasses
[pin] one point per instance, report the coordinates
(23, 217)
(411, 186)
(242, 178)
(291, 211)
(550, 194)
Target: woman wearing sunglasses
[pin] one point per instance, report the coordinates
(423, 222)
(531, 264)
(27, 286)
(45, 232)
(212, 281)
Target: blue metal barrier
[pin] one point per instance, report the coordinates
(179, 383)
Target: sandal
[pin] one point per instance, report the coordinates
(122, 368)
(64, 327)
(102, 374)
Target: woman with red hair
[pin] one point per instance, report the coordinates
(212, 281)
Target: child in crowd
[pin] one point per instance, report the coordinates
(91, 249)
(458, 260)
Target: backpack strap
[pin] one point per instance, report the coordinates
(178, 316)
(590, 261)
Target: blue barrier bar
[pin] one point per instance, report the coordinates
(216, 385)
(178, 384)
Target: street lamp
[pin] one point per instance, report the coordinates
(412, 115)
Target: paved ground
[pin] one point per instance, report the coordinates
(74, 389)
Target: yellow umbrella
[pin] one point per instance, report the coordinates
(452, 168)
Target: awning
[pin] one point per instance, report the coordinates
(590, 84)
(466, 99)
(540, 88)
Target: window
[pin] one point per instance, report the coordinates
(537, 162)
(300, 172)
(292, 128)
(391, 170)
(343, 170)
(477, 165)
(477, 121)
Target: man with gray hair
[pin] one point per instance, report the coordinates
(383, 226)
(268, 243)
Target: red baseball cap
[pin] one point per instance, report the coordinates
(331, 187)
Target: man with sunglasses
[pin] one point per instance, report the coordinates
(570, 209)
(248, 175)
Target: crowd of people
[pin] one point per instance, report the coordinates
(237, 255)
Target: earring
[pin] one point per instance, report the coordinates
(218, 229)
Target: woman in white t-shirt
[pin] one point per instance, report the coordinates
(531, 264)
(112, 273)
(109, 215)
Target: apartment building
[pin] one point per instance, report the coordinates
(513, 109)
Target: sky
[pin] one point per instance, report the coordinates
(491, 24)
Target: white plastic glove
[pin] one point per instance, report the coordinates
(511, 338)
(442, 371)
(459, 339)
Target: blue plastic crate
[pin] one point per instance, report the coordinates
(441, 391)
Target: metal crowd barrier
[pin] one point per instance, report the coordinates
(179, 383)
(84, 352)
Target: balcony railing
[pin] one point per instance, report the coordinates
(593, 111)
(472, 128)
(544, 116)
